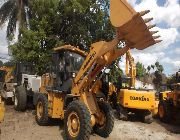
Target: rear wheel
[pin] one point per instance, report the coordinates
(147, 117)
(77, 121)
(122, 112)
(42, 110)
(164, 111)
(107, 127)
(20, 98)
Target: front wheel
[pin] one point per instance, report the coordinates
(122, 112)
(147, 117)
(42, 110)
(77, 121)
(106, 128)
(20, 99)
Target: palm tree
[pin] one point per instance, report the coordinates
(148, 68)
(13, 11)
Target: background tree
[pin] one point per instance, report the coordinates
(13, 11)
(153, 66)
(158, 79)
(57, 22)
(1, 63)
(148, 69)
(140, 70)
(9, 63)
(115, 72)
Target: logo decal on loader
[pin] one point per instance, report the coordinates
(139, 98)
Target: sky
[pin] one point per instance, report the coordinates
(166, 14)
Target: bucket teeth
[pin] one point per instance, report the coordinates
(155, 37)
(142, 13)
(151, 26)
(148, 20)
(158, 41)
(154, 32)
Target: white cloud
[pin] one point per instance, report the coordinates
(3, 41)
(177, 51)
(148, 59)
(169, 13)
(168, 36)
(132, 2)
(174, 64)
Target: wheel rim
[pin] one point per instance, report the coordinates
(161, 111)
(39, 110)
(15, 100)
(73, 124)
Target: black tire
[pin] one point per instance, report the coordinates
(113, 100)
(42, 119)
(167, 115)
(101, 96)
(122, 112)
(147, 117)
(9, 101)
(107, 128)
(20, 100)
(84, 118)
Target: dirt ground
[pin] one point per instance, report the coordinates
(22, 126)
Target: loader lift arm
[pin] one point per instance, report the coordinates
(125, 20)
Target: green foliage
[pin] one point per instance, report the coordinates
(13, 11)
(75, 22)
(148, 69)
(33, 47)
(152, 66)
(140, 70)
(157, 81)
(158, 72)
(1, 63)
(9, 63)
(57, 22)
(115, 72)
(171, 79)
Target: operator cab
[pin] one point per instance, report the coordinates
(23, 68)
(66, 64)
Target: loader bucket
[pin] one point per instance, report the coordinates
(130, 25)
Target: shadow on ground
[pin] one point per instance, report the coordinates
(173, 126)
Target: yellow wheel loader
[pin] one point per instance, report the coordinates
(68, 90)
(2, 109)
(126, 99)
(169, 102)
(7, 87)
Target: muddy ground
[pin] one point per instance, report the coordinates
(22, 126)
